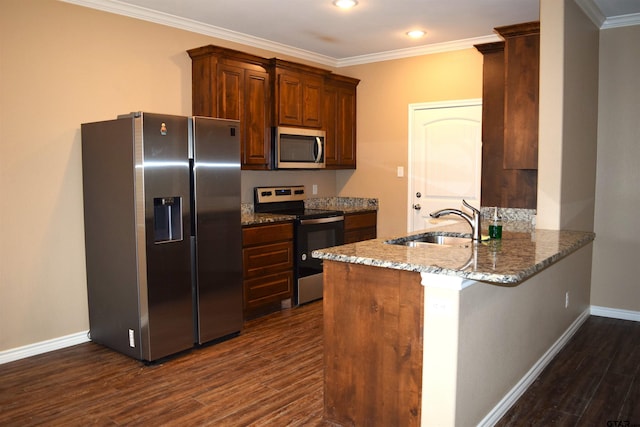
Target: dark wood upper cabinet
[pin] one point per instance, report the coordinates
(340, 121)
(299, 90)
(263, 93)
(510, 117)
(522, 71)
(492, 123)
(234, 85)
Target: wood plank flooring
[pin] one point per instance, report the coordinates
(272, 375)
(593, 381)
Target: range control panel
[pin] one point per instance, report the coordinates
(278, 194)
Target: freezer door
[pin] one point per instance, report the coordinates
(163, 185)
(217, 227)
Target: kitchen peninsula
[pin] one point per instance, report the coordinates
(438, 335)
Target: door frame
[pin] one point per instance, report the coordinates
(412, 109)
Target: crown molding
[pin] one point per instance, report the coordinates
(621, 21)
(417, 51)
(591, 9)
(145, 14)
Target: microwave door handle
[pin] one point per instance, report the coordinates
(319, 145)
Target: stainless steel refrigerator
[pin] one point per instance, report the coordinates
(162, 232)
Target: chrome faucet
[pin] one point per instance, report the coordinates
(474, 221)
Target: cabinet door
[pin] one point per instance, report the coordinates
(312, 88)
(340, 125)
(330, 112)
(243, 94)
(230, 93)
(522, 54)
(360, 226)
(347, 126)
(289, 99)
(203, 82)
(256, 152)
(299, 99)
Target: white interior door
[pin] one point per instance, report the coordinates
(445, 158)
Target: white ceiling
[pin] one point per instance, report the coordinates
(373, 30)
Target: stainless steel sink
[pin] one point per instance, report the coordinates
(433, 239)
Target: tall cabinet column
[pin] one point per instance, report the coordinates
(510, 117)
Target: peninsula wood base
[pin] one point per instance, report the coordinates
(373, 320)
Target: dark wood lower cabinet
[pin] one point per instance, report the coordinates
(360, 226)
(267, 258)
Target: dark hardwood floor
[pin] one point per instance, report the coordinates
(593, 381)
(272, 374)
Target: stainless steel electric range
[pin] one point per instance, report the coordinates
(314, 229)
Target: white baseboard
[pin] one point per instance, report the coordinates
(10, 355)
(615, 313)
(514, 394)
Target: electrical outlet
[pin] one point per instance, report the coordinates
(132, 341)
(566, 300)
(314, 189)
(439, 306)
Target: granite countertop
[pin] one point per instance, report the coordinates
(344, 204)
(522, 252)
(251, 218)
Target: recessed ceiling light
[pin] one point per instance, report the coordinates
(416, 34)
(345, 4)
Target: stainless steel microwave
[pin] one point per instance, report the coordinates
(299, 148)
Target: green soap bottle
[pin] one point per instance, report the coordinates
(495, 227)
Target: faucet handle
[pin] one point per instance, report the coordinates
(475, 211)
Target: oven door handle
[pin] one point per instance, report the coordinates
(321, 220)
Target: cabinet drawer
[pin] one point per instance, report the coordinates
(362, 220)
(266, 259)
(267, 233)
(267, 289)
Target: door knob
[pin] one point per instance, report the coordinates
(417, 207)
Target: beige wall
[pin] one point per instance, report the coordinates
(568, 117)
(384, 94)
(617, 245)
(589, 144)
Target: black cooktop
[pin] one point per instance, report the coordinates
(302, 213)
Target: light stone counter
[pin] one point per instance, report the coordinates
(521, 253)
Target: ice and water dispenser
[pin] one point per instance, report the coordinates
(167, 219)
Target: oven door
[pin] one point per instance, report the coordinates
(312, 234)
